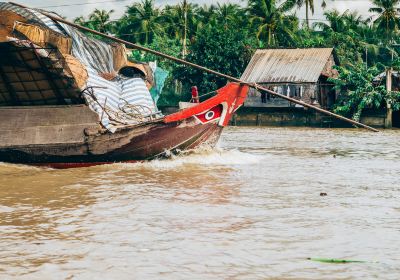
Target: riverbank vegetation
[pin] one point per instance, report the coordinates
(224, 36)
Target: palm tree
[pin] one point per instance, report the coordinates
(180, 22)
(98, 20)
(80, 20)
(309, 7)
(101, 20)
(269, 19)
(355, 21)
(351, 35)
(388, 16)
(335, 23)
(205, 14)
(229, 15)
(141, 22)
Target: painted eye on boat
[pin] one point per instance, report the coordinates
(212, 114)
(209, 115)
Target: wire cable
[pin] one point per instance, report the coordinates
(81, 4)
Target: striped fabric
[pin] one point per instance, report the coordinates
(93, 53)
(134, 91)
(114, 101)
(48, 22)
(114, 96)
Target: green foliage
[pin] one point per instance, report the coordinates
(223, 37)
(388, 17)
(357, 91)
(224, 50)
(309, 8)
(269, 20)
(272, 22)
(173, 18)
(162, 44)
(140, 23)
(98, 20)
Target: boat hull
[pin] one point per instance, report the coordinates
(71, 136)
(160, 140)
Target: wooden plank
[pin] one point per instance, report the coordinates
(30, 116)
(44, 135)
(44, 125)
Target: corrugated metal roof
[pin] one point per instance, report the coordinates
(382, 76)
(287, 65)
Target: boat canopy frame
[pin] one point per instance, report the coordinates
(32, 75)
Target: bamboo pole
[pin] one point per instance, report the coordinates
(178, 60)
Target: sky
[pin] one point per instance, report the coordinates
(71, 11)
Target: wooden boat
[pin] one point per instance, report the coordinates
(48, 114)
(63, 136)
(58, 86)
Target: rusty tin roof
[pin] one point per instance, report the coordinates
(287, 65)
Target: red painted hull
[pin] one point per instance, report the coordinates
(199, 125)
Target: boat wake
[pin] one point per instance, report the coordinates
(205, 157)
(200, 157)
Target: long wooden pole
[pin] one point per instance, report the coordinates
(185, 11)
(253, 85)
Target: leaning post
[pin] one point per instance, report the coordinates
(388, 118)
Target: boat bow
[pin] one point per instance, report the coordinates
(219, 107)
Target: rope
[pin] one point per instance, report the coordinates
(128, 112)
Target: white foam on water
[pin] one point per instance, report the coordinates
(204, 157)
(6, 209)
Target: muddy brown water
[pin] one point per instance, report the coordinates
(250, 209)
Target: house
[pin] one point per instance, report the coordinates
(299, 73)
(381, 79)
(391, 79)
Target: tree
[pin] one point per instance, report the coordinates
(206, 14)
(229, 15)
(335, 23)
(180, 22)
(101, 19)
(141, 22)
(269, 19)
(388, 17)
(358, 92)
(350, 35)
(227, 51)
(98, 20)
(309, 7)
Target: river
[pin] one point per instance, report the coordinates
(250, 209)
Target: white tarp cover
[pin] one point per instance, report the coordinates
(118, 101)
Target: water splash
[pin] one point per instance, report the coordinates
(202, 157)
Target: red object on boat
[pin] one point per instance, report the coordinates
(230, 97)
(195, 95)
